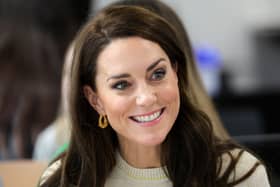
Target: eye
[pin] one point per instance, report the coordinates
(158, 74)
(121, 85)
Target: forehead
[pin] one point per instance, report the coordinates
(129, 51)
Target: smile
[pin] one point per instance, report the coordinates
(147, 118)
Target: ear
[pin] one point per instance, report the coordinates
(93, 99)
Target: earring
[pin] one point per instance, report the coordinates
(102, 121)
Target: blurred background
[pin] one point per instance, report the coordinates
(236, 43)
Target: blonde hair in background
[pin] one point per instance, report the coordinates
(62, 122)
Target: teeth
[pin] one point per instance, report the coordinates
(147, 118)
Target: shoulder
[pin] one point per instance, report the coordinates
(49, 171)
(244, 159)
(247, 166)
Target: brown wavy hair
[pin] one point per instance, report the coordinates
(190, 152)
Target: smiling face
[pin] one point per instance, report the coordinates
(137, 89)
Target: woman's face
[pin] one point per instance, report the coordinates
(137, 89)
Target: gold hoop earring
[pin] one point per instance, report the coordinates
(102, 121)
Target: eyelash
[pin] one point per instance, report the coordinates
(121, 85)
(159, 73)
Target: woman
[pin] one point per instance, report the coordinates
(133, 121)
(196, 90)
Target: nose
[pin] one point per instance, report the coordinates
(146, 96)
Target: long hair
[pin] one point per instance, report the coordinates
(190, 152)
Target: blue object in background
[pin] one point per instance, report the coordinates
(209, 63)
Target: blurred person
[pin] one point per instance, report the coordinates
(59, 20)
(56, 136)
(133, 121)
(62, 20)
(29, 86)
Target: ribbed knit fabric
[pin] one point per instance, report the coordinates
(125, 175)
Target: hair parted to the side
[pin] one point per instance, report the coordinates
(190, 152)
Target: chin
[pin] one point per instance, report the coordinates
(153, 141)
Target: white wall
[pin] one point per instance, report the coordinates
(229, 26)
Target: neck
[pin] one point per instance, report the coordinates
(140, 156)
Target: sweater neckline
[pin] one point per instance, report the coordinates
(140, 174)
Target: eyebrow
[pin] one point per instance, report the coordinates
(125, 75)
(153, 65)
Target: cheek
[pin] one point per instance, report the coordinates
(116, 107)
(170, 93)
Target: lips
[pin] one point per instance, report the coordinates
(147, 117)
